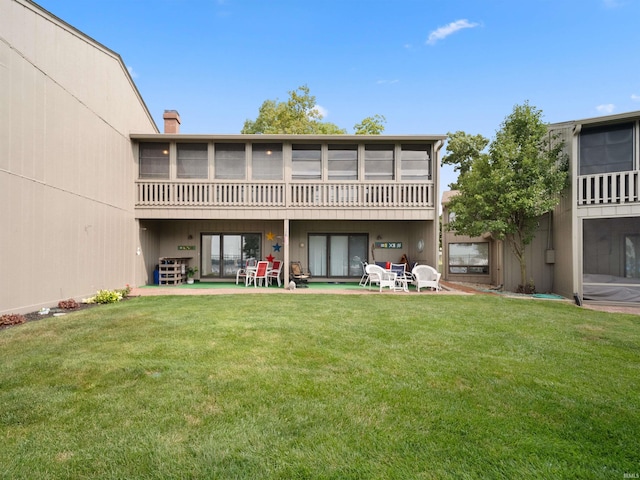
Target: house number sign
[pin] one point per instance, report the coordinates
(388, 244)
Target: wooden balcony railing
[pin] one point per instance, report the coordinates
(284, 194)
(603, 188)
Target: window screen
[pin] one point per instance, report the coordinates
(154, 160)
(606, 149)
(378, 162)
(415, 162)
(192, 160)
(342, 162)
(306, 162)
(266, 161)
(230, 161)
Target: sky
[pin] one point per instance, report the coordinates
(427, 66)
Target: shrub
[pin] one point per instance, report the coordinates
(12, 319)
(107, 296)
(68, 304)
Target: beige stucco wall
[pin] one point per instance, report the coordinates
(67, 108)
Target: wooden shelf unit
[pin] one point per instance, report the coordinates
(173, 270)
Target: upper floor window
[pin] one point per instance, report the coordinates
(192, 160)
(342, 162)
(266, 161)
(606, 149)
(378, 162)
(415, 162)
(154, 160)
(229, 161)
(306, 162)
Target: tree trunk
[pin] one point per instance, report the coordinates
(519, 249)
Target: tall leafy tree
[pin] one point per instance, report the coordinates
(370, 125)
(504, 191)
(299, 115)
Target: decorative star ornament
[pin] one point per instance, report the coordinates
(277, 247)
(270, 258)
(270, 236)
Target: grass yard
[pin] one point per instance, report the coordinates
(322, 386)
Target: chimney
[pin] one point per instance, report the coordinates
(171, 121)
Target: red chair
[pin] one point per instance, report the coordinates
(260, 273)
(274, 272)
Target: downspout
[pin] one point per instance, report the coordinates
(576, 224)
(436, 153)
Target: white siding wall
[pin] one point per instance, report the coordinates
(67, 106)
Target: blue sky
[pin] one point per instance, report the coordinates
(428, 66)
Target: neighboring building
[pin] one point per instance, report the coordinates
(588, 248)
(597, 225)
(67, 171)
(91, 194)
(486, 260)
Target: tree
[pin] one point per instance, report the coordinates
(300, 115)
(464, 150)
(370, 125)
(504, 191)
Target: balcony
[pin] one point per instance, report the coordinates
(609, 188)
(336, 195)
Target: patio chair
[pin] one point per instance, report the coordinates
(298, 275)
(402, 276)
(365, 276)
(242, 272)
(274, 272)
(425, 276)
(381, 277)
(260, 273)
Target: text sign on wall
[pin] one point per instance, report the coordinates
(388, 244)
(186, 247)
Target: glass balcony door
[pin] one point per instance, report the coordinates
(224, 254)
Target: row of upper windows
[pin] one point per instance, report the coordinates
(606, 149)
(266, 161)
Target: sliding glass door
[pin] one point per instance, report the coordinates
(337, 255)
(224, 254)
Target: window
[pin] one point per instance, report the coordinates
(469, 258)
(606, 149)
(266, 161)
(378, 162)
(154, 160)
(415, 162)
(339, 255)
(306, 162)
(230, 161)
(192, 160)
(342, 162)
(223, 255)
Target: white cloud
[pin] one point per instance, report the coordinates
(132, 73)
(606, 108)
(443, 32)
(322, 111)
(387, 82)
(635, 98)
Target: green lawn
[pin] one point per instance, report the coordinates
(322, 386)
